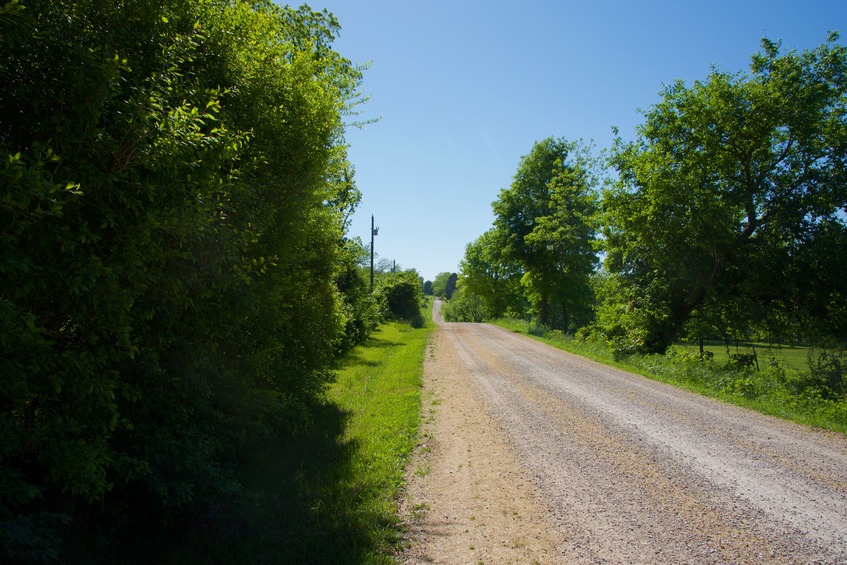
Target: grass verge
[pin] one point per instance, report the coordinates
(792, 357)
(330, 493)
(771, 390)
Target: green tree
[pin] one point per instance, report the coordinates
(444, 285)
(401, 294)
(175, 192)
(488, 274)
(731, 188)
(466, 306)
(360, 308)
(546, 219)
(450, 287)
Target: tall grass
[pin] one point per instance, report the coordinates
(330, 493)
(775, 388)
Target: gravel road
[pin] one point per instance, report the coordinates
(530, 454)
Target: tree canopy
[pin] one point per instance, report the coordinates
(546, 223)
(725, 218)
(444, 285)
(729, 200)
(172, 253)
(487, 273)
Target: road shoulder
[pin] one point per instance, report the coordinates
(467, 498)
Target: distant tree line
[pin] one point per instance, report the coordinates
(443, 286)
(175, 275)
(725, 217)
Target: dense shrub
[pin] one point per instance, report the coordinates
(401, 295)
(828, 370)
(174, 188)
(466, 307)
(360, 308)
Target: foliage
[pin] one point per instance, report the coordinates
(546, 223)
(731, 201)
(444, 285)
(360, 309)
(329, 494)
(623, 326)
(465, 306)
(175, 190)
(401, 295)
(488, 274)
(828, 371)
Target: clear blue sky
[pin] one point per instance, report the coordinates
(464, 88)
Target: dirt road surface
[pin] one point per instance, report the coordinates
(532, 455)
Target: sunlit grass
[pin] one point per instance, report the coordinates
(379, 388)
(788, 356)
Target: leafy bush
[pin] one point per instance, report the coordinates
(401, 295)
(174, 198)
(828, 370)
(360, 309)
(466, 307)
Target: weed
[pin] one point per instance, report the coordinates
(419, 512)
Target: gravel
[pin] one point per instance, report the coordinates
(532, 454)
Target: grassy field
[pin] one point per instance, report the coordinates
(791, 357)
(330, 494)
(780, 390)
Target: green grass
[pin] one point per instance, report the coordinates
(329, 494)
(788, 356)
(780, 389)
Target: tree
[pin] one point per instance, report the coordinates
(402, 293)
(486, 273)
(732, 186)
(444, 285)
(546, 219)
(175, 193)
(450, 287)
(466, 306)
(359, 307)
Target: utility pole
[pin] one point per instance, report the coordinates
(374, 231)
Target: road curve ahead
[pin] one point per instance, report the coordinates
(631, 470)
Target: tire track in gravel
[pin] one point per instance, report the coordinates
(615, 467)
